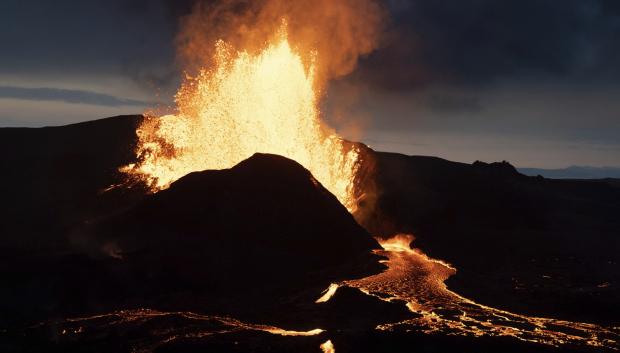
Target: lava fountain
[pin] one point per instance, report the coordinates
(247, 103)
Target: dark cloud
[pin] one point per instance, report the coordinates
(100, 37)
(430, 41)
(179, 8)
(453, 104)
(173, 9)
(482, 41)
(68, 96)
(532, 70)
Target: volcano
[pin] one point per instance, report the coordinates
(247, 235)
(236, 259)
(263, 226)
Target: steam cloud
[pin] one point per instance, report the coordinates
(339, 31)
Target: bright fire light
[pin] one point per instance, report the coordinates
(328, 293)
(328, 347)
(248, 103)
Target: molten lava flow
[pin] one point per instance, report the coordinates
(248, 103)
(413, 277)
(184, 325)
(328, 294)
(399, 242)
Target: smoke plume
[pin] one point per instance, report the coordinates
(338, 31)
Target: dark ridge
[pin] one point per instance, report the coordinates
(574, 172)
(498, 169)
(52, 179)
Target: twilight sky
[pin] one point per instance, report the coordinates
(534, 82)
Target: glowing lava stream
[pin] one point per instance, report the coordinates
(415, 278)
(197, 326)
(248, 103)
(328, 293)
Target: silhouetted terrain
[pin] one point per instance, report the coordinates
(260, 241)
(530, 244)
(238, 239)
(574, 172)
(52, 180)
(230, 240)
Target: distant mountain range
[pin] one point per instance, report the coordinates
(574, 172)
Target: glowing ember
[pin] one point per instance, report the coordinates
(282, 332)
(328, 347)
(328, 293)
(248, 103)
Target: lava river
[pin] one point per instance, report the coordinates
(410, 276)
(413, 277)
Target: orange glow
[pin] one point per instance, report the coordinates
(282, 332)
(399, 242)
(413, 277)
(328, 347)
(248, 103)
(328, 293)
